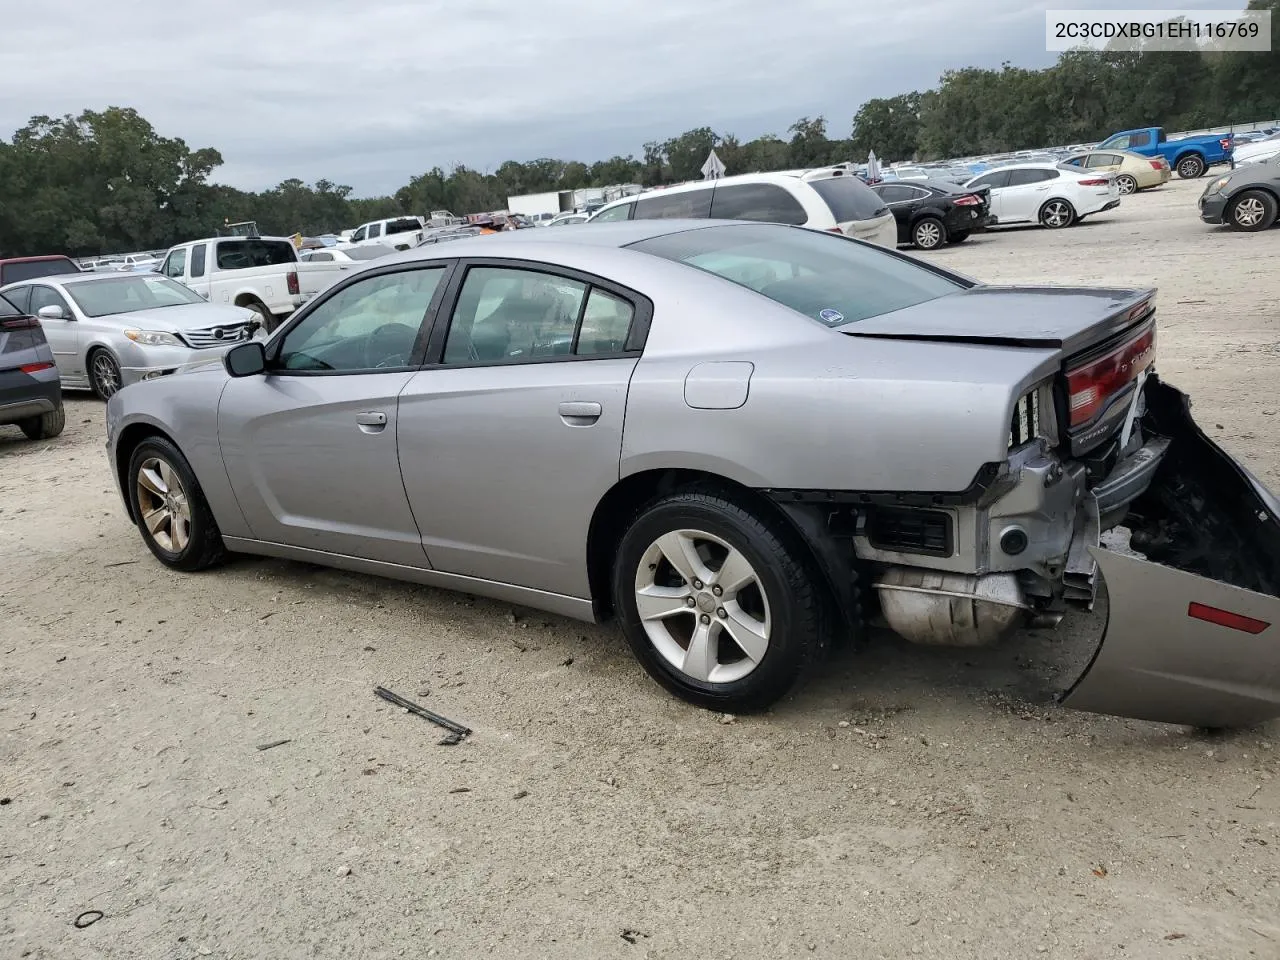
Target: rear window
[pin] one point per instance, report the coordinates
(243, 254)
(695, 204)
(828, 278)
(17, 271)
(849, 199)
(405, 225)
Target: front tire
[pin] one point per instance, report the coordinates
(171, 511)
(1252, 210)
(1057, 214)
(265, 316)
(47, 425)
(104, 374)
(928, 233)
(718, 604)
(1190, 167)
(1126, 185)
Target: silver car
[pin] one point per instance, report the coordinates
(737, 439)
(110, 330)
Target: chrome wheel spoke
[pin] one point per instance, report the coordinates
(154, 519)
(751, 636)
(701, 658)
(150, 480)
(658, 603)
(179, 532)
(734, 574)
(682, 553)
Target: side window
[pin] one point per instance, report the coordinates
(1123, 143)
(513, 316)
(994, 180)
(321, 257)
(766, 202)
(894, 193)
(1022, 178)
(198, 254)
(621, 212)
(664, 205)
(367, 327)
(358, 235)
(375, 230)
(42, 296)
(1076, 161)
(606, 323)
(1136, 140)
(176, 264)
(20, 297)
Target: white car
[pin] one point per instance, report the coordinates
(1046, 194)
(345, 255)
(109, 330)
(827, 198)
(1257, 151)
(564, 219)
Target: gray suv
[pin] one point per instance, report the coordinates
(30, 394)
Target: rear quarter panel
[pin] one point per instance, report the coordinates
(184, 407)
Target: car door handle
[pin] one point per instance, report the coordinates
(580, 413)
(371, 421)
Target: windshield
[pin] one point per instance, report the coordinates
(111, 295)
(7, 309)
(828, 278)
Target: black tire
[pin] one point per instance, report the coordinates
(104, 373)
(928, 233)
(1057, 214)
(1252, 210)
(203, 547)
(1126, 184)
(47, 425)
(795, 594)
(1190, 167)
(959, 236)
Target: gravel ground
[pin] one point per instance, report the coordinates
(910, 802)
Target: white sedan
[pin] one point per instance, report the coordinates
(1046, 193)
(360, 254)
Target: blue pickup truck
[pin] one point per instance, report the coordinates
(1190, 156)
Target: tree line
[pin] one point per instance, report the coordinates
(105, 182)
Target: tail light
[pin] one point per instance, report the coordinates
(1094, 182)
(294, 289)
(968, 200)
(19, 323)
(1089, 387)
(1225, 143)
(834, 230)
(1225, 618)
(1157, 164)
(35, 367)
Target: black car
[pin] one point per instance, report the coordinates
(933, 212)
(1247, 198)
(30, 391)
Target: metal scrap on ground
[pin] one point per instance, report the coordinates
(457, 730)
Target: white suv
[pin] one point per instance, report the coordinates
(825, 199)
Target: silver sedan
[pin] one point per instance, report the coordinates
(737, 439)
(110, 330)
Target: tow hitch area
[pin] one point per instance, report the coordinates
(1193, 606)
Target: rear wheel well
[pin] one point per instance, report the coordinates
(130, 437)
(619, 507)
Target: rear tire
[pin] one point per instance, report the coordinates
(47, 425)
(928, 233)
(1190, 167)
(170, 508)
(1126, 184)
(1057, 214)
(960, 236)
(1252, 210)
(742, 656)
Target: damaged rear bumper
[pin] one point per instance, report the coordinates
(1193, 606)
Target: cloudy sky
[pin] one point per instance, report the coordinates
(371, 92)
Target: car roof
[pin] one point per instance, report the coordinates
(40, 259)
(60, 279)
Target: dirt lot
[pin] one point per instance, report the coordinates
(909, 803)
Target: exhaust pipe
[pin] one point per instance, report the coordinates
(933, 608)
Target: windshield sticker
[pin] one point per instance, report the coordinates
(831, 316)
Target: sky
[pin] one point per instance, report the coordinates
(369, 93)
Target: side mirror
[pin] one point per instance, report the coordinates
(51, 312)
(245, 359)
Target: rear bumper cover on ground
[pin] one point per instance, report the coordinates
(1193, 613)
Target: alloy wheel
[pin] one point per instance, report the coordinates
(928, 235)
(702, 606)
(1057, 213)
(1248, 212)
(1127, 185)
(163, 504)
(106, 376)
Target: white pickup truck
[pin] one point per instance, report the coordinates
(399, 233)
(260, 273)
